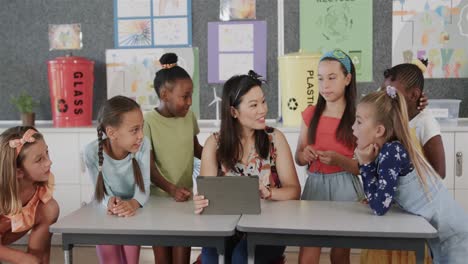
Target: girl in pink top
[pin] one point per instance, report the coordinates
(26, 201)
(326, 143)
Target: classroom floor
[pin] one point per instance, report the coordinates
(87, 254)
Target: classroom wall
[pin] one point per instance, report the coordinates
(25, 49)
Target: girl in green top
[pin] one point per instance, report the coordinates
(172, 129)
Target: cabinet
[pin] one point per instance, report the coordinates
(72, 185)
(448, 138)
(456, 162)
(64, 156)
(87, 187)
(292, 138)
(460, 163)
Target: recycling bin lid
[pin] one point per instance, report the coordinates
(70, 59)
(300, 54)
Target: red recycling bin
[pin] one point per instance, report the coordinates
(71, 91)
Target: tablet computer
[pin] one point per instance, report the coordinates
(230, 195)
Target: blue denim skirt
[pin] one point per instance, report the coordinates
(340, 186)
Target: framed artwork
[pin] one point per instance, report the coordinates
(237, 9)
(65, 37)
(436, 31)
(236, 47)
(152, 23)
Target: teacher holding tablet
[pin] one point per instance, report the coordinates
(245, 146)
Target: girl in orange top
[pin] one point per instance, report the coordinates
(26, 201)
(326, 143)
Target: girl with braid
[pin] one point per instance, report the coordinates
(119, 164)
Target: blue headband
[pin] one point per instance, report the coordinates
(340, 56)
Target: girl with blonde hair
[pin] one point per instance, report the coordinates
(393, 169)
(26, 202)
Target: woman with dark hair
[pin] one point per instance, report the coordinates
(246, 146)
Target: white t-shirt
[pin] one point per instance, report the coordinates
(426, 126)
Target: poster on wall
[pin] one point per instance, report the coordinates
(236, 9)
(436, 30)
(346, 25)
(236, 47)
(130, 72)
(152, 23)
(65, 37)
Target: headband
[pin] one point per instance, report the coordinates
(340, 56)
(19, 142)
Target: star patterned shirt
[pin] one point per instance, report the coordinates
(380, 177)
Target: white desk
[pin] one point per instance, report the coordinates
(161, 222)
(334, 224)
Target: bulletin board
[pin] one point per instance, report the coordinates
(26, 50)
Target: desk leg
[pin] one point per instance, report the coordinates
(420, 254)
(68, 253)
(250, 252)
(222, 253)
(221, 258)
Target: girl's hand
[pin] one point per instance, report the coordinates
(309, 154)
(328, 157)
(199, 203)
(423, 102)
(110, 205)
(181, 194)
(265, 191)
(367, 154)
(125, 208)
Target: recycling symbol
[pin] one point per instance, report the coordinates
(62, 106)
(292, 104)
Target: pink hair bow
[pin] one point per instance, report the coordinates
(19, 142)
